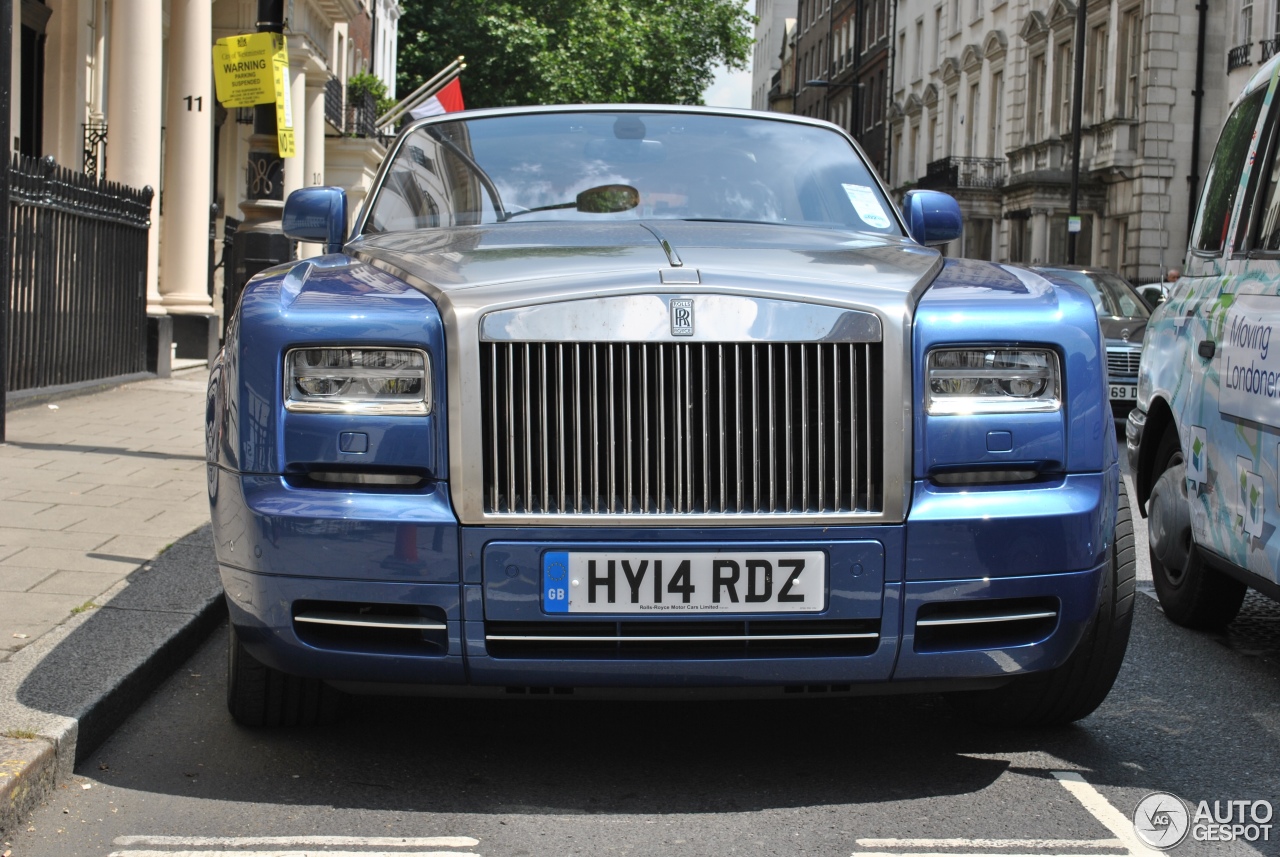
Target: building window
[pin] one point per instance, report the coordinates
(937, 36)
(1245, 32)
(955, 16)
(1035, 98)
(919, 48)
(1062, 68)
(902, 54)
(1098, 74)
(953, 121)
(971, 122)
(995, 142)
(1131, 62)
(977, 10)
(1119, 238)
(912, 151)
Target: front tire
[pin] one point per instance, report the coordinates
(258, 695)
(1191, 593)
(1075, 689)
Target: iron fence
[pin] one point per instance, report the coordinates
(78, 303)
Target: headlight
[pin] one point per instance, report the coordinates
(357, 381)
(992, 381)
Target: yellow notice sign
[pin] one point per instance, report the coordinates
(254, 69)
(284, 107)
(242, 69)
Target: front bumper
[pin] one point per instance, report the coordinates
(280, 547)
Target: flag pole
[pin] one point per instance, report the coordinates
(413, 99)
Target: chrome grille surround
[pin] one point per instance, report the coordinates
(724, 431)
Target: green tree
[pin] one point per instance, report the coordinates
(574, 51)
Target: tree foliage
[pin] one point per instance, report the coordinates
(574, 51)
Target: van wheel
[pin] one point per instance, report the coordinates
(1075, 689)
(1191, 593)
(258, 695)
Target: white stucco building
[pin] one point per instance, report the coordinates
(982, 93)
(124, 89)
(766, 57)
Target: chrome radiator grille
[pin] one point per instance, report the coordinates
(1123, 361)
(681, 428)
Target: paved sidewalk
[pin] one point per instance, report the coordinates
(107, 573)
(91, 487)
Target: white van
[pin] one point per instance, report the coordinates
(1204, 439)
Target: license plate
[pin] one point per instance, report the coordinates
(1124, 391)
(657, 583)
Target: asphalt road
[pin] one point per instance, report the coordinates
(1193, 714)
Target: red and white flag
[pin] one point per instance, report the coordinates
(447, 100)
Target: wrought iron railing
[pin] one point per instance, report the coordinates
(968, 173)
(333, 103)
(1268, 48)
(362, 114)
(1238, 56)
(78, 308)
(95, 148)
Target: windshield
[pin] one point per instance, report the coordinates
(595, 166)
(1111, 295)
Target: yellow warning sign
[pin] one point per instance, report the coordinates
(242, 69)
(254, 69)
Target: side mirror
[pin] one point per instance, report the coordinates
(932, 217)
(317, 214)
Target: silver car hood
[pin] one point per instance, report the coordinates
(629, 269)
(532, 260)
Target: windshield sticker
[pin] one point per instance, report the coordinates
(867, 205)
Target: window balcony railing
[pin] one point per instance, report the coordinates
(1268, 48)
(333, 102)
(965, 173)
(1238, 56)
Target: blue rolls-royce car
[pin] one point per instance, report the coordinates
(658, 400)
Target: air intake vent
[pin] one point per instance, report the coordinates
(377, 628)
(675, 640)
(681, 428)
(967, 625)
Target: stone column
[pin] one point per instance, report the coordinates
(314, 163)
(133, 113)
(184, 251)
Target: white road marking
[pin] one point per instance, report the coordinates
(1104, 812)
(309, 853)
(967, 854)
(991, 843)
(254, 841)
(1090, 798)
